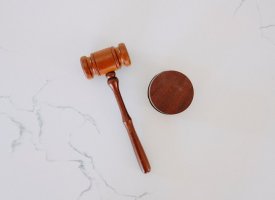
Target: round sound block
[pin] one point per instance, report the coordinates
(170, 92)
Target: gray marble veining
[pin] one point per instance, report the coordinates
(59, 142)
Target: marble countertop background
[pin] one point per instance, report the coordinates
(61, 136)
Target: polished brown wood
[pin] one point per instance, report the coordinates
(105, 62)
(170, 92)
(140, 154)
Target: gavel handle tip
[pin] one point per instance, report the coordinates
(147, 170)
(137, 146)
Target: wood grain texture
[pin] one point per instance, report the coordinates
(105, 62)
(139, 151)
(170, 92)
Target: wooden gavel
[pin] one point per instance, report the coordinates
(105, 62)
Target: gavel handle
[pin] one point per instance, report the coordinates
(139, 151)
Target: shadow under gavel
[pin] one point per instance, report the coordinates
(105, 62)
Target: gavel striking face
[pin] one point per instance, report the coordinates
(105, 62)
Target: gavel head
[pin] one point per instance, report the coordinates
(104, 61)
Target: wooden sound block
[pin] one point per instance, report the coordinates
(170, 92)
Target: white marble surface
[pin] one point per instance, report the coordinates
(61, 136)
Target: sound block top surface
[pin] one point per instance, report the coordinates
(170, 92)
